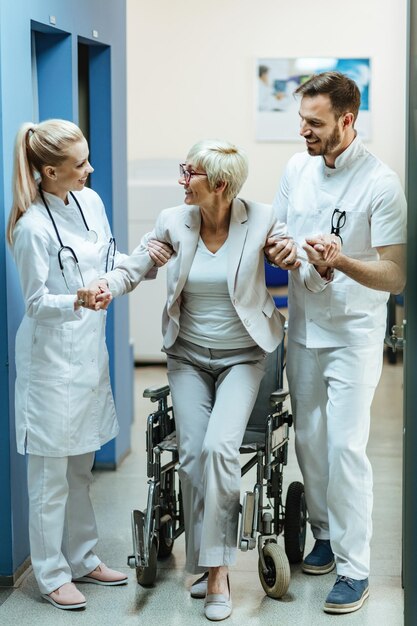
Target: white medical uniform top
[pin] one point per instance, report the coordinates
(340, 312)
(63, 400)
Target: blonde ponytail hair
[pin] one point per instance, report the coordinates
(37, 145)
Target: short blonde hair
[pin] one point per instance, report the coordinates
(223, 162)
(37, 145)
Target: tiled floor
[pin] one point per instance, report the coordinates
(168, 602)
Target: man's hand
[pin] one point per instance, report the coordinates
(282, 252)
(323, 251)
(159, 252)
(95, 296)
(328, 245)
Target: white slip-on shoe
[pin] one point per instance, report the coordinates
(199, 587)
(217, 607)
(66, 597)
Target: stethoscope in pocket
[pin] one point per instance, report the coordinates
(67, 259)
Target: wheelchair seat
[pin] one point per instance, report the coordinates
(270, 395)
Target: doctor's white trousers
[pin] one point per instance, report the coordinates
(62, 526)
(331, 395)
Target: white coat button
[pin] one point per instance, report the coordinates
(235, 301)
(246, 322)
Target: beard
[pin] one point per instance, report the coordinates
(327, 145)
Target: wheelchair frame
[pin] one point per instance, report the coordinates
(155, 529)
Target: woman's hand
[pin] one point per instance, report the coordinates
(323, 250)
(95, 296)
(159, 252)
(282, 252)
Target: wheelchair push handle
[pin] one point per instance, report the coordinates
(156, 393)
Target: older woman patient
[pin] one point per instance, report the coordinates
(219, 321)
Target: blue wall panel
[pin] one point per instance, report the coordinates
(54, 73)
(100, 23)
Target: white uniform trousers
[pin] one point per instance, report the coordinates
(213, 393)
(331, 394)
(62, 526)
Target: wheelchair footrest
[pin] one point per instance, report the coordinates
(248, 522)
(138, 535)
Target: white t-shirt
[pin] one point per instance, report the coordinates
(341, 312)
(208, 317)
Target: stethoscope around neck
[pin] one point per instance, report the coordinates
(66, 254)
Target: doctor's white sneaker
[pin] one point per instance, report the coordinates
(66, 597)
(103, 575)
(199, 587)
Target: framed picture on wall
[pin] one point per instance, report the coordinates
(276, 80)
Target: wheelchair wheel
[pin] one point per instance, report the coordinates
(295, 522)
(146, 575)
(276, 580)
(166, 543)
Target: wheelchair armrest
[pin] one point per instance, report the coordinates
(278, 396)
(156, 393)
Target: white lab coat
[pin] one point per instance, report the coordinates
(63, 399)
(341, 312)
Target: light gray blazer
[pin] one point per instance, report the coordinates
(250, 225)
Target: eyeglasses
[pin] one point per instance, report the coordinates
(187, 175)
(111, 251)
(338, 221)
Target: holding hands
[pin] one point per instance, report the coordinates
(282, 252)
(322, 251)
(97, 296)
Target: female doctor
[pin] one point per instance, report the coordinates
(61, 240)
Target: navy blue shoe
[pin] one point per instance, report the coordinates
(347, 595)
(321, 558)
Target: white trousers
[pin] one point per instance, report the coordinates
(331, 395)
(213, 393)
(62, 526)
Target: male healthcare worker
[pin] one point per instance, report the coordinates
(337, 319)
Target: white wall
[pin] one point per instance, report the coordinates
(191, 75)
(191, 67)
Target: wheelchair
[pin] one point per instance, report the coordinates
(263, 516)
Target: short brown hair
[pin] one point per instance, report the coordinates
(343, 92)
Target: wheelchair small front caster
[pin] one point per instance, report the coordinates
(276, 580)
